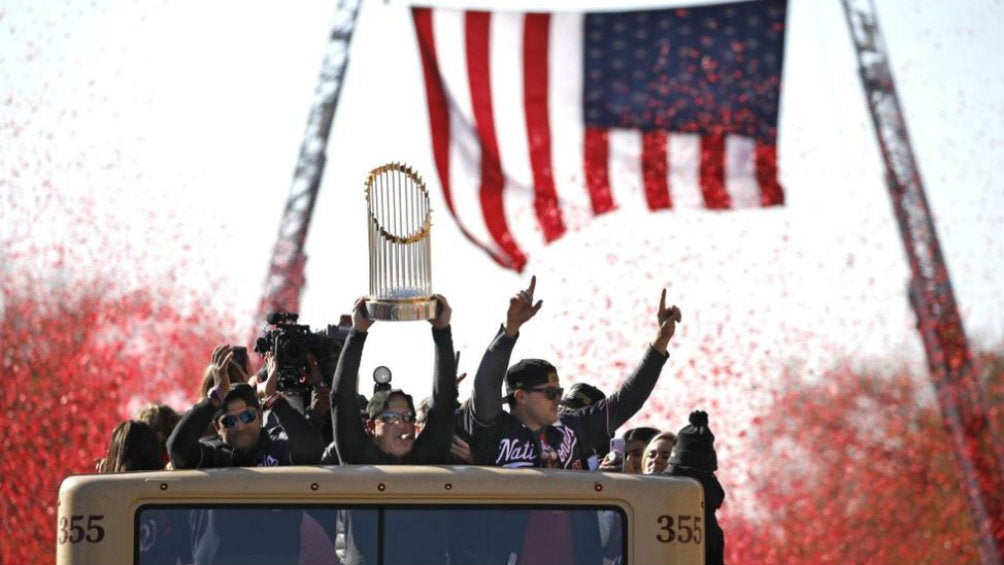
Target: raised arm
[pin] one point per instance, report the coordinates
(444, 384)
(603, 418)
(183, 446)
(433, 444)
(351, 439)
(486, 398)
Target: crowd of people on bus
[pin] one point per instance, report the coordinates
(518, 415)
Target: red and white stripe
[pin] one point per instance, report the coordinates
(517, 166)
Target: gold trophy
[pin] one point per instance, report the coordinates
(400, 251)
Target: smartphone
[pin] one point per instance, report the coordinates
(241, 357)
(617, 445)
(614, 460)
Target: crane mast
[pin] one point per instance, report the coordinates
(285, 279)
(975, 442)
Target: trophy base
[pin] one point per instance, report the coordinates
(402, 310)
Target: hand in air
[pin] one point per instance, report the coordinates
(361, 320)
(521, 309)
(223, 355)
(443, 312)
(668, 318)
(271, 384)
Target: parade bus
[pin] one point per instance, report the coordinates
(379, 515)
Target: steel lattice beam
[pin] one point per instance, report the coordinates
(285, 279)
(975, 442)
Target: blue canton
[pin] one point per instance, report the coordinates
(704, 69)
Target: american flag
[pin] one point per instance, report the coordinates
(541, 121)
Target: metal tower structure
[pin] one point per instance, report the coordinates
(975, 442)
(285, 278)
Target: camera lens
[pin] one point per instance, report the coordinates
(293, 350)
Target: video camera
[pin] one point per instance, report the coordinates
(291, 342)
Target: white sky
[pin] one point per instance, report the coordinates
(178, 124)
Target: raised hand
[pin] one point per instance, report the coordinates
(461, 451)
(271, 384)
(443, 312)
(361, 320)
(219, 353)
(668, 318)
(314, 376)
(223, 355)
(320, 400)
(521, 309)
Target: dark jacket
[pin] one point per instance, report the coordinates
(714, 496)
(297, 442)
(499, 439)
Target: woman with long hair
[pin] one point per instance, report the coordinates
(134, 447)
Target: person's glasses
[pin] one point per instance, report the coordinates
(246, 417)
(395, 417)
(551, 392)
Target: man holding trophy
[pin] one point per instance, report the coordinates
(388, 436)
(400, 290)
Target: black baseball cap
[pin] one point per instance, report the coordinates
(581, 395)
(385, 399)
(529, 373)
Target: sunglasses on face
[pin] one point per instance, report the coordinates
(246, 417)
(550, 392)
(395, 417)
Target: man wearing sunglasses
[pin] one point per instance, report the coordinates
(236, 413)
(533, 433)
(388, 435)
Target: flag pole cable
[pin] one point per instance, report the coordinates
(975, 440)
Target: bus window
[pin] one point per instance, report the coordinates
(386, 535)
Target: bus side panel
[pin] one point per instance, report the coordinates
(90, 528)
(671, 532)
